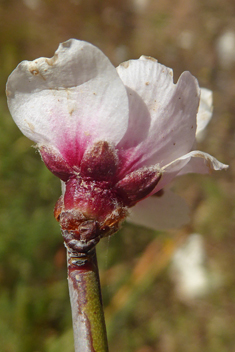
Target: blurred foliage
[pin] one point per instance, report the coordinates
(143, 312)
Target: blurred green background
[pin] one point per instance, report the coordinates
(146, 310)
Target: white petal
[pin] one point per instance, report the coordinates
(159, 213)
(195, 161)
(169, 115)
(63, 187)
(70, 100)
(204, 112)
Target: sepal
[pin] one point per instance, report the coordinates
(100, 162)
(55, 162)
(138, 184)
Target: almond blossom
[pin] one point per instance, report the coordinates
(114, 136)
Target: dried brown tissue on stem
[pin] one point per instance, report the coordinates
(83, 279)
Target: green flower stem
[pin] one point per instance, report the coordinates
(86, 303)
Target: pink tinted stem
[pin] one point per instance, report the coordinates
(86, 303)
